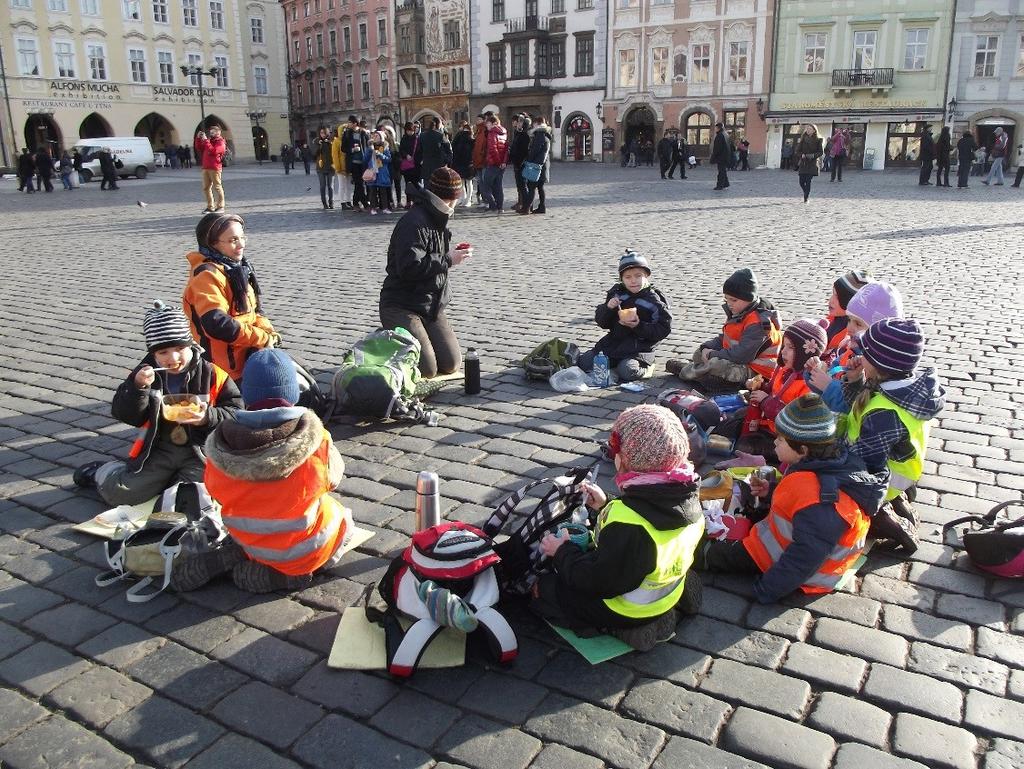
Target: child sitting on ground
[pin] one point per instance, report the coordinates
(891, 404)
(818, 515)
(748, 345)
(165, 451)
(843, 291)
(222, 296)
(637, 317)
(271, 471)
(631, 582)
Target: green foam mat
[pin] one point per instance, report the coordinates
(594, 650)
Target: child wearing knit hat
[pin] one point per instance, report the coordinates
(165, 451)
(818, 514)
(637, 317)
(843, 290)
(748, 345)
(631, 582)
(891, 401)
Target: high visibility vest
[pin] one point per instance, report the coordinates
(290, 524)
(663, 587)
(902, 475)
(217, 380)
(787, 386)
(838, 339)
(770, 537)
(767, 359)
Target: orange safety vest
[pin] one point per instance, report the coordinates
(216, 383)
(770, 537)
(787, 392)
(767, 359)
(290, 524)
(834, 342)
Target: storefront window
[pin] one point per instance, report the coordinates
(698, 132)
(735, 122)
(903, 147)
(579, 137)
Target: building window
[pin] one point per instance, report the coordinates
(584, 5)
(814, 52)
(558, 6)
(738, 53)
(1020, 58)
(364, 85)
(346, 39)
(431, 88)
(60, 6)
(97, 55)
(662, 2)
(295, 13)
(520, 60)
(497, 10)
(137, 59)
(195, 60)
(319, 45)
(700, 58)
(335, 90)
(64, 54)
(542, 52)
(259, 76)
(222, 71)
(627, 67)
(382, 32)
(295, 45)
(332, 42)
(309, 49)
(305, 9)
(459, 79)
(698, 129)
(584, 55)
(256, 25)
(323, 91)
(298, 95)
(558, 58)
(316, 6)
(130, 10)
(165, 64)
(916, 54)
(985, 56)
(629, 3)
(864, 49)
(216, 14)
(659, 66)
(679, 66)
(385, 89)
(160, 11)
(189, 15)
(28, 56)
(496, 63)
(452, 36)
(363, 41)
(735, 122)
(89, 7)
(348, 88)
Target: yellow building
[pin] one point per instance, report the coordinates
(77, 69)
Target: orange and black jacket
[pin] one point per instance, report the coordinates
(140, 407)
(229, 337)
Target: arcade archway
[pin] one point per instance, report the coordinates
(94, 127)
(225, 130)
(640, 124)
(42, 131)
(158, 130)
(260, 143)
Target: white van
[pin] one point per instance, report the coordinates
(134, 151)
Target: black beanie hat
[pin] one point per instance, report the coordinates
(849, 284)
(742, 284)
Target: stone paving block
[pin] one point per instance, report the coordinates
(183, 675)
(758, 688)
(79, 584)
(265, 657)
(780, 743)
(318, 633)
(974, 611)
(963, 669)
(825, 668)
(925, 627)
(676, 663)
(1001, 646)
(268, 714)
(604, 684)
(19, 600)
(852, 608)
(121, 645)
(60, 537)
(220, 596)
(994, 715)
(867, 643)
(947, 580)
(735, 643)
(555, 756)
(17, 714)
(195, 627)
(683, 753)
(58, 742)
(12, 640)
(21, 520)
(676, 710)
(340, 743)
(852, 755)
(233, 751)
(896, 591)
(69, 624)
(361, 568)
(350, 691)
(164, 732)
(423, 719)
(41, 667)
(483, 744)
(793, 624)
(118, 606)
(272, 613)
(932, 743)
(516, 701)
(1015, 686)
(99, 695)
(724, 606)
(1004, 754)
(848, 718)
(588, 728)
(446, 685)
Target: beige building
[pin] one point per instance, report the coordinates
(78, 69)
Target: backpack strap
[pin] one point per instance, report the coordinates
(169, 552)
(114, 552)
(987, 521)
(500, 635)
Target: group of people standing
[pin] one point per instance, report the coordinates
(936, 155)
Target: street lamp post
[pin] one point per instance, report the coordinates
(194, 70)
(256, 117)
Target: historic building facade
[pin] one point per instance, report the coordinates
(340, 63)
(544, 57)
(876, 67)
(432, 59)
(685, 66)
(78, 69)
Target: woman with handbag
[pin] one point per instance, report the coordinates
(808, 150)
(462, 161)
(535, 169)
(409, 149)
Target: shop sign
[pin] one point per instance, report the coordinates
(181, 94)
(857, 104)
(64, 94)
(608, 140)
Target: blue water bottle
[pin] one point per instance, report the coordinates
(601, 374)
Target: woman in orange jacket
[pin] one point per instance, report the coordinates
(222, 296)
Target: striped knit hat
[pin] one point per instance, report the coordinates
(445, 183)
(849, 284)
(808, 338)
(894, 346)
(807, 420)
(166, 326)
(651, 439)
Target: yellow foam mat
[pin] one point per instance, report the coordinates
(359, 537)
(359, 645)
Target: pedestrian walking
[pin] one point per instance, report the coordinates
(826, 160)
(942, 149)
(808, 150)
(44, 169)
(999, 147)
(354, 142)
(744, 155)
(108, 167)
(26, 170)
(518, 147)
(837, 155)
(480, 152)
(680, 153)
(396, 163)
(927, 155)
(210, 149)
(634, 153)
(462, 161)
(342, 181)
(1020, 166)
(666, 150)
(287, 158)
(435, 149)
(539, 152)
(324, 167)
(720, 153)
(787, 155)
(65, 169)
(306, 155)
(965, 149)
(497, 158)
(410, 158)
(76, 162)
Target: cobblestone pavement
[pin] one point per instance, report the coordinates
(921, 665)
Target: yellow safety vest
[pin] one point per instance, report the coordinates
(663, 587)
(902, 475)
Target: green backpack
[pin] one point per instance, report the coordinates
(378, 377)
(554, 355)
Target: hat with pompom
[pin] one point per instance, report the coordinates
(166, 326)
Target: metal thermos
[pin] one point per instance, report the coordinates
(472, 372)
(428, 501)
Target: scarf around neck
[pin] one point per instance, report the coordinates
(240, 276)
(675, 475)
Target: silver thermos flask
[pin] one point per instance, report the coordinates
(428, 501)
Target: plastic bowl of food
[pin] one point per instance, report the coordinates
(181, 407)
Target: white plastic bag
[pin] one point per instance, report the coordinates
(570, 380)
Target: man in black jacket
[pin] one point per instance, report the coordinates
(965, 149)
(26, 170)
(927, 156)
(720, 155)
(44, 168)
(666, 150)
(434, 148)
(680, 153)
(518, 148)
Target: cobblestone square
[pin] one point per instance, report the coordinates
(921, 664)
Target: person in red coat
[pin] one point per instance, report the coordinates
(211, 151)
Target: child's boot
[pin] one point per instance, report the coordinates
(85, 476)
(646, 637)
(257, 578)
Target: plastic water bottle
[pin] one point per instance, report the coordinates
(428, 500)
(472, 372)
(600, 374)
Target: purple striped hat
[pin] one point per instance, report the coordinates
(893, 346)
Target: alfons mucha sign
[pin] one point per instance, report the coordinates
(82, 93)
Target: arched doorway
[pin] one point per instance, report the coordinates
(578, 138)
(986, 132)
(225, 131)
(158, 130)
(260, 143)
(697, 126)
(94, 127)
(41, 131)
(640, 124)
